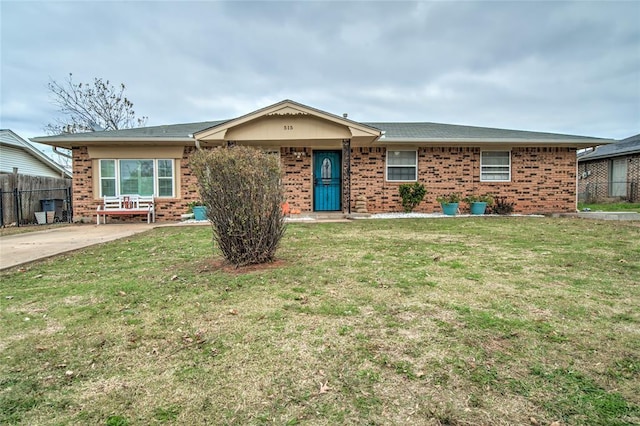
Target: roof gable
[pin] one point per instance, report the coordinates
(288, 120)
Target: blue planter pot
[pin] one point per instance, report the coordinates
(200, 213)
(450, 209)
(478, 207)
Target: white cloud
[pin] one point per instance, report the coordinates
(571, 67)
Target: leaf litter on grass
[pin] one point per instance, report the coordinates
(485, 335)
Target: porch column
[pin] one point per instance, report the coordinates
(346, 175)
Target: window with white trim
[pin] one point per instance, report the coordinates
(143, 177)
(495, 166)
(107, 177)
(402, 166)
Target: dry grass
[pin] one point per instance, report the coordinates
(454, 321)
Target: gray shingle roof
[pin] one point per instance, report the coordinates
(453, 131)
(630, 145)
(392, 131)
(168, 131)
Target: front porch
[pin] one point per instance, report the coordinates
(314, 148)
(318, 217)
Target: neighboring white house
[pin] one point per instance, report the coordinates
(16, 152)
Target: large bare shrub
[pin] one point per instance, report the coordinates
(242, 190)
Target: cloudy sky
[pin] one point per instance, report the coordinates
(565, 67)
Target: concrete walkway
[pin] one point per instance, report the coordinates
(27, 247)
(610, 215)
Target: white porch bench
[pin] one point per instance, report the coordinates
(126, 205)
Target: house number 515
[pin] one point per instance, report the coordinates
(288, 127)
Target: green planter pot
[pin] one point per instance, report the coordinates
(200, 213)
(478, 207)
(450, 209)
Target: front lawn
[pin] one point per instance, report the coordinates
(467, 321)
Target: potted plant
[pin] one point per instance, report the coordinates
(198, 209)
(449, 203)
(478, 203)
(189, 214)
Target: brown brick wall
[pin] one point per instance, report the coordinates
(634, 167)
(85, 202)
(593, 178)
(595, 182)
(84, 205)
(634, 177)
(543, 180)
(297, 179)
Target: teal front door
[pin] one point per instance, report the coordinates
(327, 182)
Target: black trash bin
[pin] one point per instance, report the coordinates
(53, 205)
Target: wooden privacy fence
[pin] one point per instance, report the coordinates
(22, 196)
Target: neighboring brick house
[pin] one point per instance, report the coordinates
(610, 171)
(329, 160)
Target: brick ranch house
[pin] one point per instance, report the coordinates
(610, 171)
(329, 160)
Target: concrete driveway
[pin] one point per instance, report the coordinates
(23, 248)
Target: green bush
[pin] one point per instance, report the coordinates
(243, 193)
(412, 194)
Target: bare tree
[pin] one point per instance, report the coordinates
(88, 107)
(93, 106)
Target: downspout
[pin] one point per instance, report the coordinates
(349, 174)
(196, 141)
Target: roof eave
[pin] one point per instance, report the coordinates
(603, 156)
(70, 142)
(493, 141)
